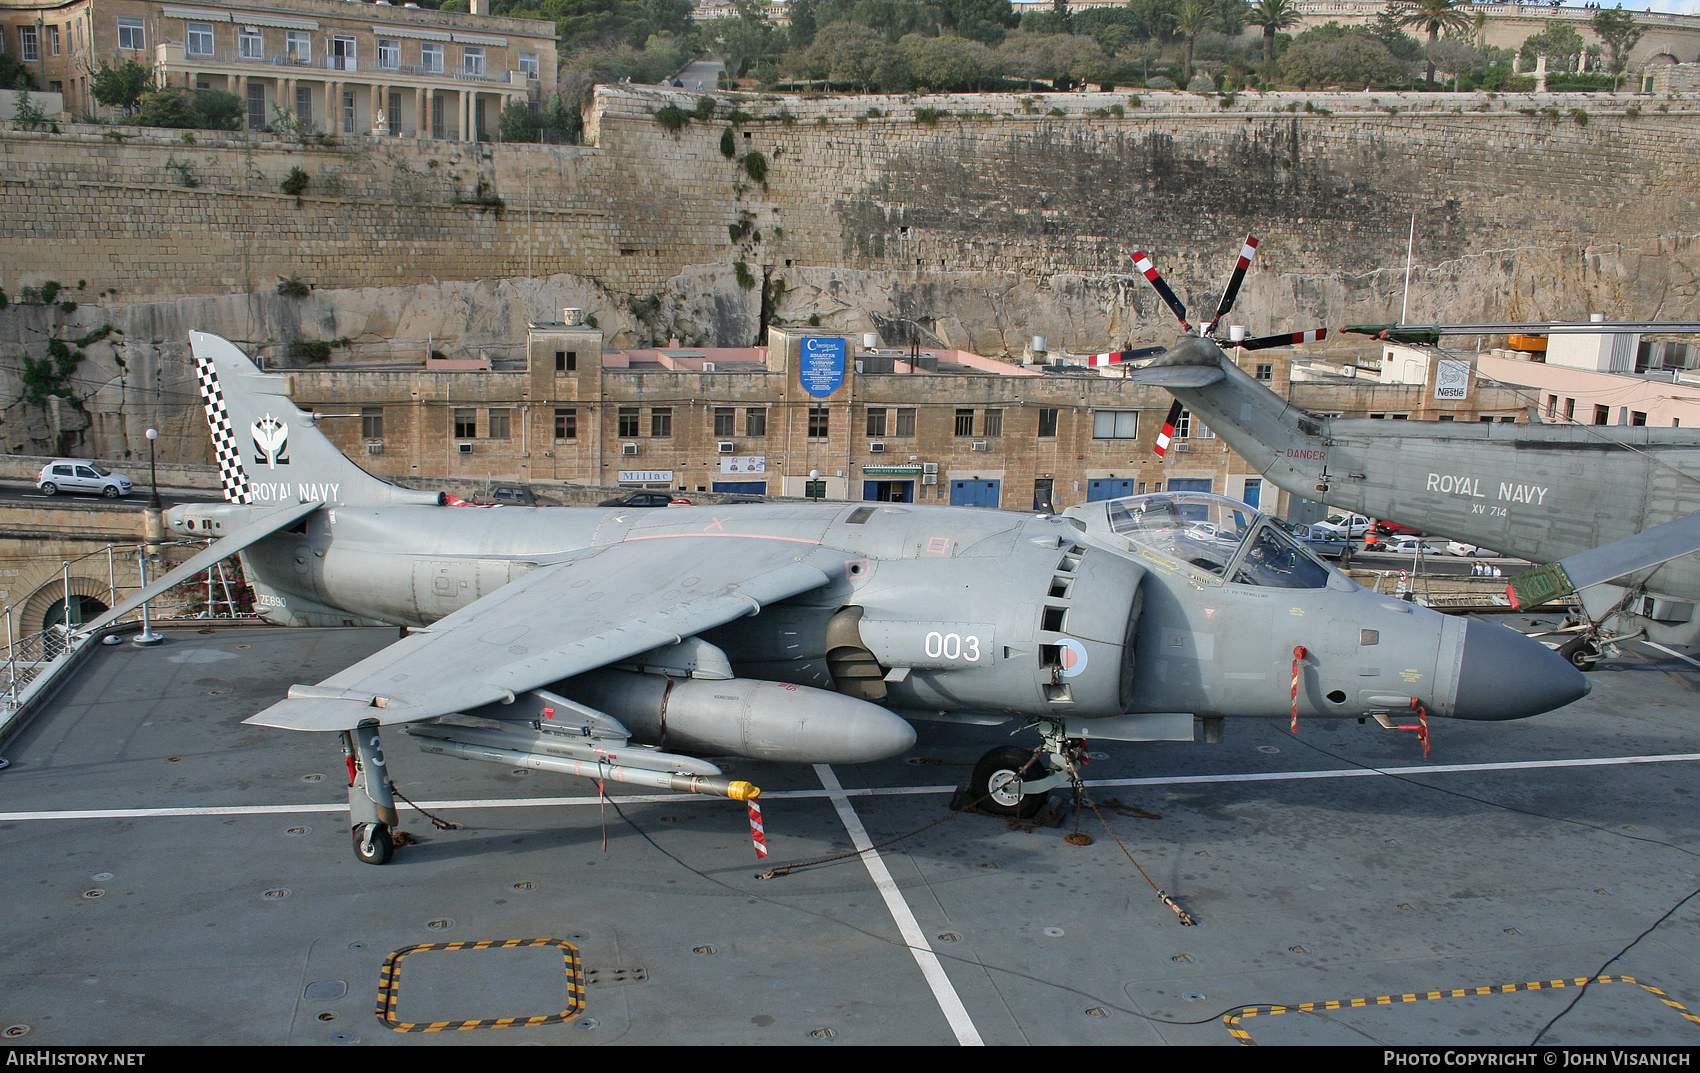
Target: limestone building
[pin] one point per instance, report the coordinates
(336, 66)
(928, 426)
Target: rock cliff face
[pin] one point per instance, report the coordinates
(979, 224)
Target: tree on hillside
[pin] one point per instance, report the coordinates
(1433, 16)
(1354, 59)
(985, 21)
(1618, 30)
(1274, 16)
(121, 86)
(1560, 41)
(1190, 20)
(945, 63)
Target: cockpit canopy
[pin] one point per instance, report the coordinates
(1220, 537)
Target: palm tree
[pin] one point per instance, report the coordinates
(1435, 16)
(1190, 21)
(1273, 16)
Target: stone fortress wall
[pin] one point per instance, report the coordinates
(985, 219)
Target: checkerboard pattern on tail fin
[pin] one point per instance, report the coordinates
(225, 449)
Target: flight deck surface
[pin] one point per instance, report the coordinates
(176, 877)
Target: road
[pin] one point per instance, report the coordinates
(25, 493)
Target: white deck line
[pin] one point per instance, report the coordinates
(875, 791)
(943, 990)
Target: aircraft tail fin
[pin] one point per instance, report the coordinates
(1282, 441)
(268, 449)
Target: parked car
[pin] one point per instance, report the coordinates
(1405, 544)
(1321, 544)
(646, 499)
(1349, 526)
(1469, 551)
(76, 475)
(1386, 528)
(514, 495)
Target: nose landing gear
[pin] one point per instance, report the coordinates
(1016, 783)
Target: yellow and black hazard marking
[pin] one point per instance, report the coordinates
(1232, 1020)
(389, 987)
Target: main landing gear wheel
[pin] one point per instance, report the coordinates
(372, 843)
(996, 786)
(1580, 652)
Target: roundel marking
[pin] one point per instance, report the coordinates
(1073, 657)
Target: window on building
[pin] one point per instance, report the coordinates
(499, 424)
(250, 45)
(200, 39)
(993, 425)
(342, 53)
(348, 111)
(566, 423)
(394, 118)
(1266, 372)
(725, 421)
(1570, 409)
(820, 426)
(131, 36)
(1636, 417)
(1676, 355)
(1552, 405)
(566, 361)
(661, 421)
(1448, 417)
(372, 422)
(256, 106)
(876, 421)
(29, 46)
(53, 42)
(431, 57)
(628, 423)
(304, 106)
(1047, 423)
(964, 422)
(466, 424)
(528, 64)
(906, 422)
(472, 61)
(755, 422)
(1602, 415)
(389, 54)
(1183, 424)
(1115, 424)
(299, 45)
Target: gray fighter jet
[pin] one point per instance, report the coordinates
(1543, 492)
(629, 645)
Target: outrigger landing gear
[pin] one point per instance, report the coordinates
(1015, 782)
(371, 797)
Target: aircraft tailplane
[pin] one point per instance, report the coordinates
(268, 449)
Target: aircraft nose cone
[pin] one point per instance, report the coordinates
(1505, 675)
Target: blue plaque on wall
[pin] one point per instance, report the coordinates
(821, 368)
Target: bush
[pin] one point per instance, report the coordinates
(755, 166)
(293, 287)
(705, 108)
(728, 143)
(295, 183)
(672, 118)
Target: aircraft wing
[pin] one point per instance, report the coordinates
(565, 618)
(216, 552)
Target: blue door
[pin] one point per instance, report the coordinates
(754, 488)
(974, 493)
(1253, 492)
(1108, 489)
(1189, 484)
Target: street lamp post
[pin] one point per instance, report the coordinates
(153, 532)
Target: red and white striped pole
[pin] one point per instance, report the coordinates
(758, 835)
(1298, 655)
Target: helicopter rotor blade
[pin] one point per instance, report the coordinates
(1161, 447)
(1247, 252)
(1264, 342)
(1116, 357)
(1149, 270)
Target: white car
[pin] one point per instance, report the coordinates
(1348, 526)
(1469, 551)
(1406, 544)
(78, 475)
